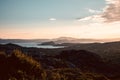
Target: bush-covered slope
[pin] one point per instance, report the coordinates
(18, 66)
(33, 64)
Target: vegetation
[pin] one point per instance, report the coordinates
(18, 66)
(29, 64)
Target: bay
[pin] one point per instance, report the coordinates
(36, 46)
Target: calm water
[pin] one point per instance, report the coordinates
(37, 46)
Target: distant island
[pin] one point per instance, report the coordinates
(47, 43)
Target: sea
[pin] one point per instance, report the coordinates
(36, 45)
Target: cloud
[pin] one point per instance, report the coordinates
(93, 11)
(52, 19)
(92, 19)
(110, 14)
(112, 11)
(111, 1)
(84, 19)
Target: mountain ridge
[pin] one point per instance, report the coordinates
(58, 40)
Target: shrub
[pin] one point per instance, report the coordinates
(19, 66)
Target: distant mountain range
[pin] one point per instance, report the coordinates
(57, 40)
(74, 40)
(22, 40)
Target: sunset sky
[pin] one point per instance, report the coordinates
(36, 19)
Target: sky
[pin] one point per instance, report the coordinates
(36, 19)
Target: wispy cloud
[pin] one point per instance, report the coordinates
(52, 19)
(93, 11)
(92, 19)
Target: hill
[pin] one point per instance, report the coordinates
(19, 66)
(95, 61)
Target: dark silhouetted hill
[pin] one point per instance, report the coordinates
(75, 62)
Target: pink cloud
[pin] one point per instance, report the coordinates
(112, 11)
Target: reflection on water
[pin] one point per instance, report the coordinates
(35, 45)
